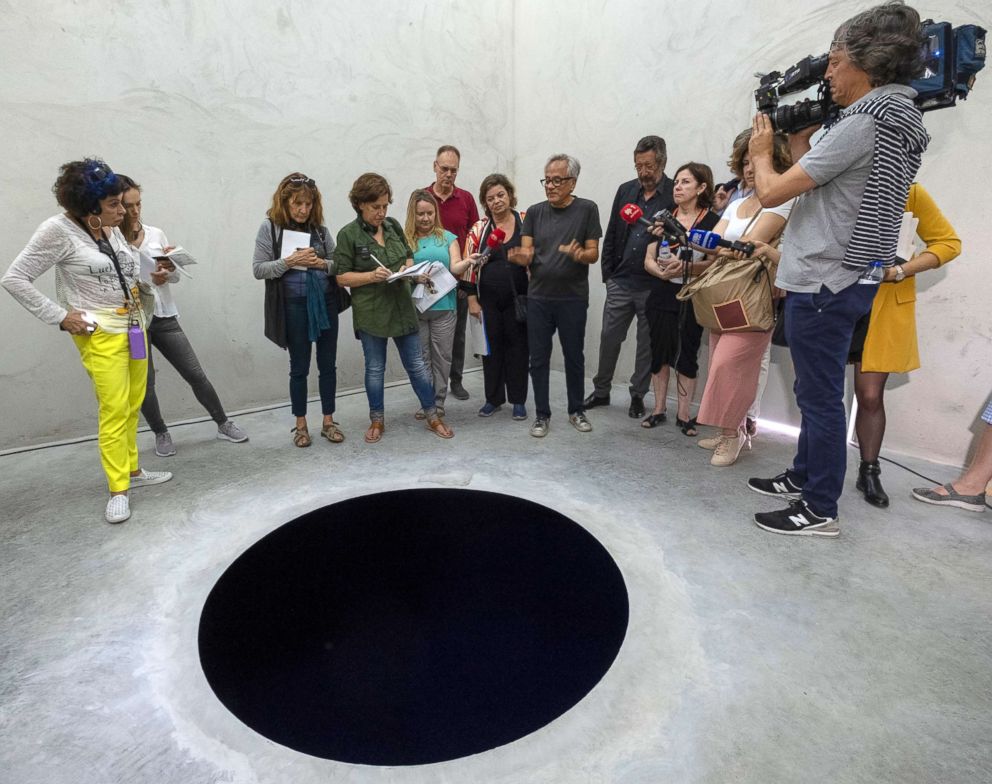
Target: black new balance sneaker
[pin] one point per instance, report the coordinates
(779, 486)
(797, 520)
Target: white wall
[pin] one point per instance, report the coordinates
(209, 105)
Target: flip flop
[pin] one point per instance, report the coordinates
(374, 434)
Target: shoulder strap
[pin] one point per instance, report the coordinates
(276, 241)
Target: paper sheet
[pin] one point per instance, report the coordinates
(293, 241)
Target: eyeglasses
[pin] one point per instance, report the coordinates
(301, 181)
(555, 182)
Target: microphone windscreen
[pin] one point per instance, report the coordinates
(705, 239)
(631, 213)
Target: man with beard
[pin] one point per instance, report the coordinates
(627, 284)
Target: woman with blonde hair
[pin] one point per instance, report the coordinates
(431, 242)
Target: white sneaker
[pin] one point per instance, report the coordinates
(580, 423)
(146, 478)
(729, 449)
(710, 443)
(118, 509)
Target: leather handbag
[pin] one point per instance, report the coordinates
(734, 295)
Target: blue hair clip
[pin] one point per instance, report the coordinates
(100, 179)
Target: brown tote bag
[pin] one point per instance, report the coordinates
(734, 295)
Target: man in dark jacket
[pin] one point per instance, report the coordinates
(627, 284)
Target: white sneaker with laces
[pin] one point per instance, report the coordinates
(729, 449)
(118, 509)
(147, 478)
(580, 423)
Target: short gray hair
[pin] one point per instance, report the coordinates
(572, 163)
(885, 42)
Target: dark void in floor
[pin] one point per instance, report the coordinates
(413, 627)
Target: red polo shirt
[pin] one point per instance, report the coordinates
(458, 213)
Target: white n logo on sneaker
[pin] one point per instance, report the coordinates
(798, 520)
(780, 487)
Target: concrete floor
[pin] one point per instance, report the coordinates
(749, 658)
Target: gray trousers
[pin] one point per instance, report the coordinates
(168, 337)
(437, 336)
(621, 306)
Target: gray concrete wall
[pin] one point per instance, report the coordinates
(208, 106)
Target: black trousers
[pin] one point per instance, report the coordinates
(505, 369)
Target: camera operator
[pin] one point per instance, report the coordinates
(852, 188)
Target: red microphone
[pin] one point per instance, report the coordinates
(631, 213)
(493, 241)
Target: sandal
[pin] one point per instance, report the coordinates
(685, 425)
(301, 437)
(374, 434)
(332, 433)
(437, 427)
(654, 420)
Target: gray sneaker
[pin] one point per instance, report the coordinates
(147, 478)
(540, 428)
(580, 423)
(163, 445)
(231, 432)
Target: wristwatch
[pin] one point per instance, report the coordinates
(900, 273)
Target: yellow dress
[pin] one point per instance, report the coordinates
(891, 345)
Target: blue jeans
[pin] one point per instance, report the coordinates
(412, 358)
(568, 318)
(299, 356)
(819, 328)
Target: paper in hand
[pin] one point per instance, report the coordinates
(293, 241)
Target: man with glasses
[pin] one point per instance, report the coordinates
(627, 284)
(458, 214)
(558, 241)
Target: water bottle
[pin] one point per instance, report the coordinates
(664, 252)
(873, 275)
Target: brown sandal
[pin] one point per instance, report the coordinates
(332, 433)
(374, 433)
(301, 437)
(437, 427)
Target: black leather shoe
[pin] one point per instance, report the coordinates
(870, 484)
(636, 410)
(592, 401)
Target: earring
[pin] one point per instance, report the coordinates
(99, 223)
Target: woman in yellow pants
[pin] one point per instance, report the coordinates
(96, 283)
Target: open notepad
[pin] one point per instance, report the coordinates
(423, 296)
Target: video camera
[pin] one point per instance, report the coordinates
(952, 57)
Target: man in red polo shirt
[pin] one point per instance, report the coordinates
(458, 214)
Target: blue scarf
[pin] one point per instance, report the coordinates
(317, 320)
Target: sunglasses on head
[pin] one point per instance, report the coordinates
(301, 181)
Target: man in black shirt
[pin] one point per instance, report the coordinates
(559, 240)
(627, 284)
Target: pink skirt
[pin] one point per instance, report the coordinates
(732, 381)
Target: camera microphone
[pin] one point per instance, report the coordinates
(632, 214)
(707, 240)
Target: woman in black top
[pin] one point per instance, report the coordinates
(498, 283)
(675, 335)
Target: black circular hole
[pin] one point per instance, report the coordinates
(413, 627)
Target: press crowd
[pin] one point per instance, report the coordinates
(821, 218)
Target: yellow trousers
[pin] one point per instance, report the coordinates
(119, 383)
